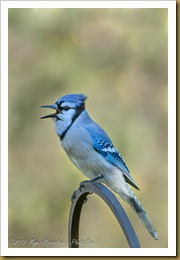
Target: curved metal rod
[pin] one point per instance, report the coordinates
(78, 199)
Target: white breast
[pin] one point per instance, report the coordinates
(78, 147)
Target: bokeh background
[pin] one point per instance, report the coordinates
(118, 58)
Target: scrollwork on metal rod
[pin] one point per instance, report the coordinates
(99, 189)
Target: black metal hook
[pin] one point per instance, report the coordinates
(78, 199)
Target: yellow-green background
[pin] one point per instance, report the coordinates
(118, 57)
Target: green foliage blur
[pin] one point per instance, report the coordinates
(118, 58)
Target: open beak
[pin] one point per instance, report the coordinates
(51, 115)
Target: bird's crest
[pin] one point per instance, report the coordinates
(77, 99)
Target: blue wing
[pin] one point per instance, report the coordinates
(103, 145)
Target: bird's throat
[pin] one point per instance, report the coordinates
(79, 110)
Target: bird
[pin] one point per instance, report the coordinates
(91, 150)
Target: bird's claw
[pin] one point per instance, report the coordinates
(73, 197)
(82, 184)
(90, 181)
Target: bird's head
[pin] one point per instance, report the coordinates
(67, 109)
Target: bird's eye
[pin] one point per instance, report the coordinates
(66, 108)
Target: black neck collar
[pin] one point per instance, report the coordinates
(79, 110)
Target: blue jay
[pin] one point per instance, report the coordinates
(91, 150)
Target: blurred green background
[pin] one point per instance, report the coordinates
(118, 58)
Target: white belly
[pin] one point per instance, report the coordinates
(80, 151)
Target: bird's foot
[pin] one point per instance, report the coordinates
(73, 197)
(92, 180)
(100, 176)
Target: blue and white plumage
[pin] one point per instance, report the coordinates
(91, 150)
